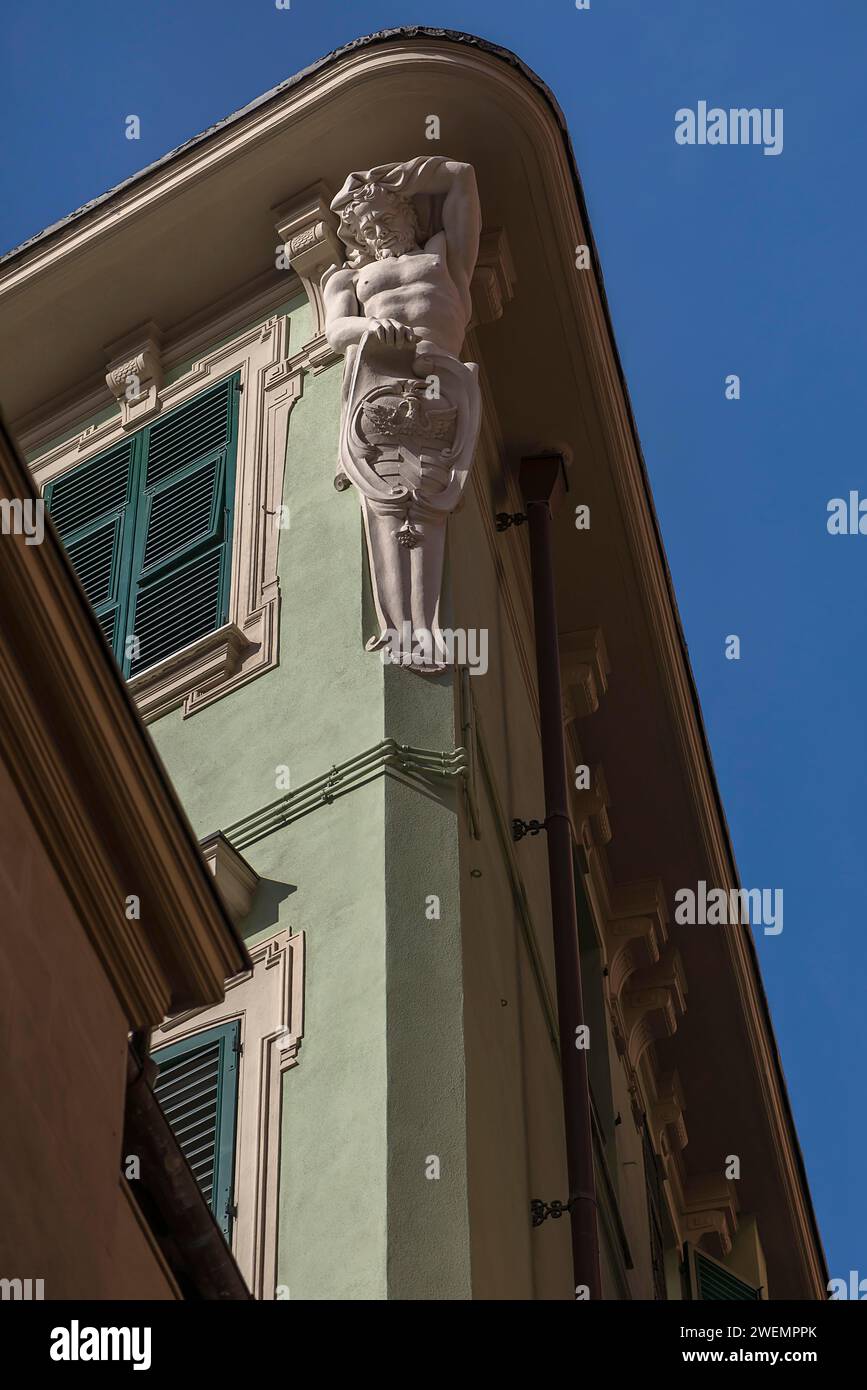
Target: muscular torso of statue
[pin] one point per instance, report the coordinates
(415, 289)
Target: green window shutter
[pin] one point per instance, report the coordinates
(93, 508)
(148, 527)
(709, 1280)
(197, 1088)
(182, 557)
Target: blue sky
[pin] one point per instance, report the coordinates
(717, 260)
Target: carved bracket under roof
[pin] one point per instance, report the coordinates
(236, 880)
(710, 1213)
(585, 668)
(493, 282)
(590, 810)
(306, 231)
(652, 1005)
(666, 1120)
(135, 374)
(636, 930)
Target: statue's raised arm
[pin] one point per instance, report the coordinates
(446, 197)
(426, 208)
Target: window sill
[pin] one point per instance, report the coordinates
(196, 675)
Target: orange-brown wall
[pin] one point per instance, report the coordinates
(65, 1216)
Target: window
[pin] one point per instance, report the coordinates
(245, 645)
(266, 1006)
(197, 1088)
(707, 1279)
(148, 525)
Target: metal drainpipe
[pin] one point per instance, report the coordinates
(541, 480)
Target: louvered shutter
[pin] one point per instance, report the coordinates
(183, 532)
(709, 1280)
(197, 1088)
(93, 508)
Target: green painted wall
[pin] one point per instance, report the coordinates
(379, 1085)
(428, 1216)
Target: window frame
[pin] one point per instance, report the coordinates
(130, 573)
(693, 1258)
(228, 1035)
(268, 1004)
(247, 644)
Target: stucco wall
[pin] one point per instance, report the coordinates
(65, 1217)
(324, 873)
(424, 1038)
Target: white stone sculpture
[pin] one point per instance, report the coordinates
(398, 309)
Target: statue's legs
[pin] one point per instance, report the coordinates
(406, 552)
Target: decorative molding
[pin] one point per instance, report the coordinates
(307, 232)
(585, 669)
(253, 302)
(193, 671)
(247, 645)
(667, 1124)
(493, 282)
(418, 765)
(135, 375)
(635, 929)
(633, 946)
(236, 880)
(591, 810)
(317, 356)
(710, 1213)
(652, 1005)
(269, 1004)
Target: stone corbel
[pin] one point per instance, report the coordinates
(710, 1213)
(135, 375)
(666, 1115)
(493, 282)
(305, 230)
(236, 881)
(591, 810)
(636, 931)
(585, 668)
(653, 1005)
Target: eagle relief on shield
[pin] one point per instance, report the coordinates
(398, 309)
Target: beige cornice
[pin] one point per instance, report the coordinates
(96, 791)
(253, 302)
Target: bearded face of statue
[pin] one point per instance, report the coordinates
(386, 229)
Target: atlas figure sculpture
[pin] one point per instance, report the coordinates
(398, 310)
